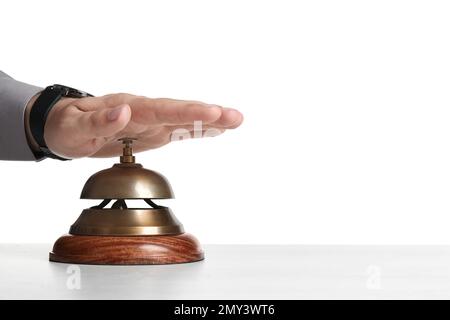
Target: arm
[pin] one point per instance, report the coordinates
(90, 126)
(14, 97)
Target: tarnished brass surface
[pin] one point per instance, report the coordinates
(127, 181)
(127, 222)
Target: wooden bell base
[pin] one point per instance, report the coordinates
(127, 250)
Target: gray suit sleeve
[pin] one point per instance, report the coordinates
(14, 97)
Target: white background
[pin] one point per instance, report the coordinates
(346, 136)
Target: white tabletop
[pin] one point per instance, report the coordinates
(237, 272)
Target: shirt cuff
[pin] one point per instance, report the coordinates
(14, 97)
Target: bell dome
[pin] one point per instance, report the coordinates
(127, 181)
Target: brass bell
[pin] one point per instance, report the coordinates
(123, 235)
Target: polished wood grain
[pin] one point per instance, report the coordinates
(126, 250)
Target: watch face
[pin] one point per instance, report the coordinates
(78, 94)
(71, 92)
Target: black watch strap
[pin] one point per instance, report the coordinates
(39, 113)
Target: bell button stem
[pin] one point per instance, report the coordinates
(127, 156)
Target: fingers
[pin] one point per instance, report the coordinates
(178, 133)
(173, 112)
(104, 122)
(164, 111)
(194, 131)
(179, 112)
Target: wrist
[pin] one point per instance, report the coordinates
(64, 101)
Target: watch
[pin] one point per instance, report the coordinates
(40, 110)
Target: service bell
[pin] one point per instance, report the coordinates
(122, 235)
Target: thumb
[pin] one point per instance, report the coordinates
(105, 122)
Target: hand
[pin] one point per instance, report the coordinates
(90, 126)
